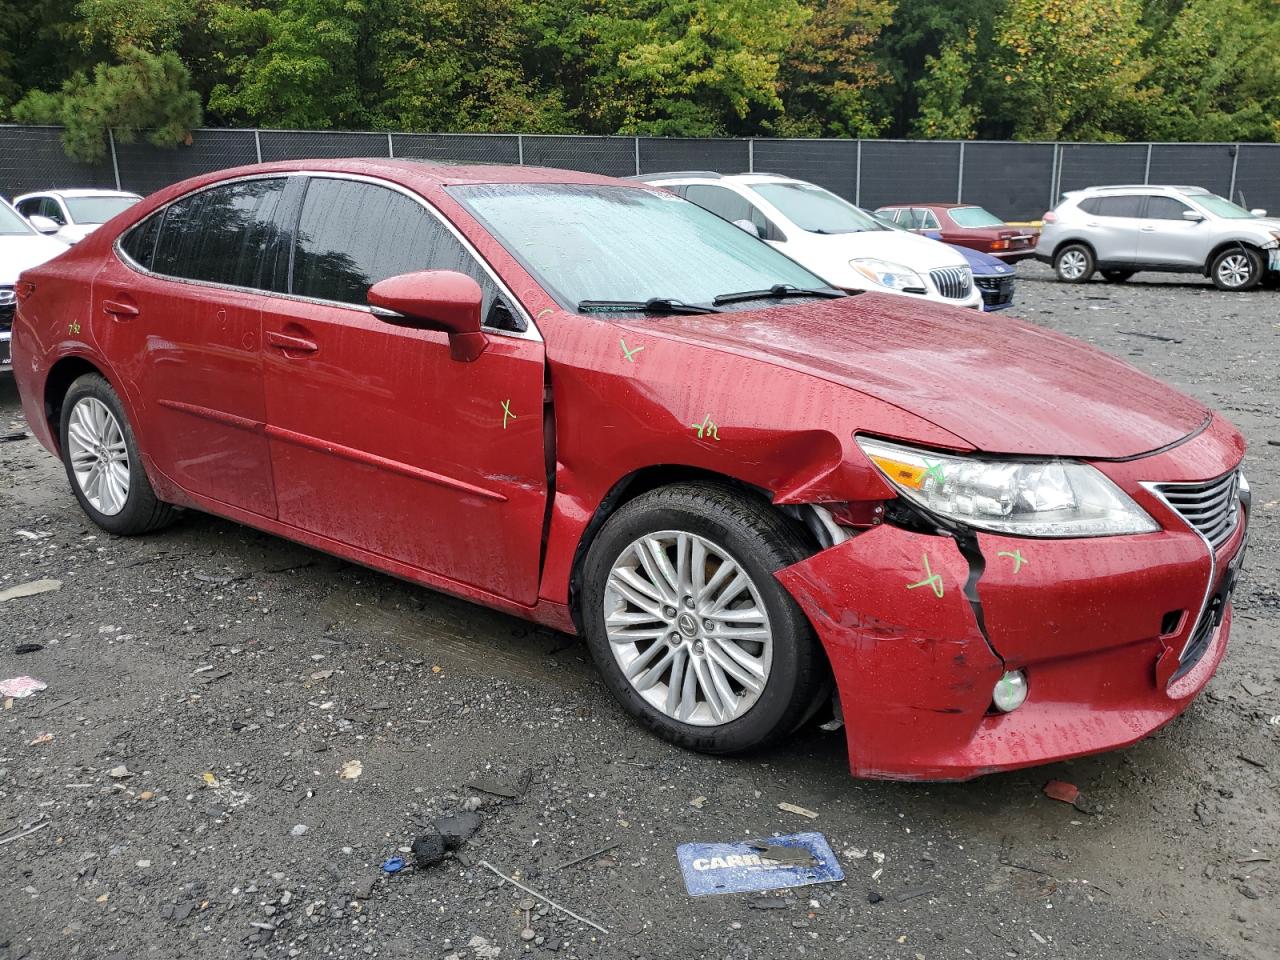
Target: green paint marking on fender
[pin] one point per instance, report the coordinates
(933, 470)
(931, 579)
(707, 428)
(629, 354)
(506, 413)
(1016, 556)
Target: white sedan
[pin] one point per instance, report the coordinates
(844, 245)
(21, 247)
(76, 213)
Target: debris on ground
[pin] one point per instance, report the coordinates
(31, 589)
(393, 865)
(20, 687)
(588, 856)
(28, 648)
(802, 811)
(120, 772)
(548, 901)
(1061, 790)
(351, 770)
(716, 868)
(11, 437)
(508, 790)
(446, 835)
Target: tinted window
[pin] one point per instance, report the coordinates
(975, 217)
(222, 235)
(1165, 208)
(97, 209)
(351, 235)
(912, 219)
(731, 206)
(927, 220)
(140, 242)
(1126, 205)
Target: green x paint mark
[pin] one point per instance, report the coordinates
(506, 413)
(933, 470)
(1016, 556)
(629, 354)
(931, 579)
(74, 327)
(707, 428)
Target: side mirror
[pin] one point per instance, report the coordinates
(1195, 216)
(1258, 212)
(436, 300)
(43, 224)
(750, 227)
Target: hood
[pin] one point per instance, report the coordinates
(897, 246)
(983, 264)
(1003, 385)
(23, 251)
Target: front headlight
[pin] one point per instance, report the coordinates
(1044, 498)
(892, 275)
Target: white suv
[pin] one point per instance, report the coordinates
(844, 245)
(77, 213)
(1121, 230)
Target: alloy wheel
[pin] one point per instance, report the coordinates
(1235, 270)
(688, 627)
(99, 456)
(1072, 264)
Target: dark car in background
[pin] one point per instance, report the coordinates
(965, 225)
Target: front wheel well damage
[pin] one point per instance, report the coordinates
(643, 481)
(61, 376)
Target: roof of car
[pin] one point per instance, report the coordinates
(1142, 186)
(926, 203)
(77, 193)
(753, 176)
(442, 173)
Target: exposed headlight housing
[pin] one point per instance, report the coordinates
(892, 275)
(1028, 498)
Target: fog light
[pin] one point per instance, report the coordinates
(1010, 691)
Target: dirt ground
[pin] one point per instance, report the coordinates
(234, 676)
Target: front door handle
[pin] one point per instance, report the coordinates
(1148, 229)
(288, 344)
(119, 309)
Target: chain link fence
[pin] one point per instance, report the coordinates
(1017, 181)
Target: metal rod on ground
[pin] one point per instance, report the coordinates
(588, 856)
(27, 833)
(529, 890)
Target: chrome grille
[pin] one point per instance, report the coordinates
(1212, 507)
(954, 283)
(7, 304)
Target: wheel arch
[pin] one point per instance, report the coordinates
(1075, 242)
(66, 371)
(1223, 246)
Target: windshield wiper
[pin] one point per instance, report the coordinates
(776, 293)
(652, 305)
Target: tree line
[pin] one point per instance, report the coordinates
(962, 69)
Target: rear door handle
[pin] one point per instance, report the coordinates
(119, 309)
(288, 344)
(1148, 229)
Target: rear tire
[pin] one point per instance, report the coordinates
(642, 614)
(1074, 263)
(1116, 276)
(103, 463)
(1236, 268)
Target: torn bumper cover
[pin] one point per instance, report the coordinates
(1109, 633)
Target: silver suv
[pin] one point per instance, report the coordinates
(1121, 230)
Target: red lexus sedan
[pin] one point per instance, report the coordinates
(596, 405)
(965, 225)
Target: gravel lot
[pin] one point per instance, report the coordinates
(208, 685)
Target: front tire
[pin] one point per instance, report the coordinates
(1236, 268)
(102, 461)
(1074, 263)
(688, 626)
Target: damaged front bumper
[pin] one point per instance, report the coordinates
(1115, 635)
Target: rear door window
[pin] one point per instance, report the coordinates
(352, 234)
(227, 234)
(1123, 205)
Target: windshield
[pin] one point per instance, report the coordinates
(11, 224)
(96, 209)
(588, 242)
(816, 210)
(975, 217)
(1221, 207)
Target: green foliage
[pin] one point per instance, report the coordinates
(145, 92)
(1218, 65)
(1105, 69)
(946, 108)
(1073, 70)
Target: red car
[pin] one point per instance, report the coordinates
(966, 226)
(593, 404)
